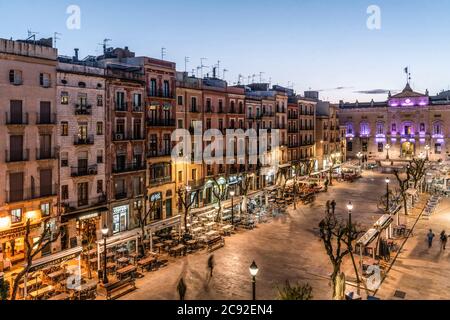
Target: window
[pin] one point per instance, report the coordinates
(194, 104)
(99, 156)
(364, 146)
(364, 129)
(16, 216)
(153, 87)
(438, 148)
(65, 192)
(437, 128)
(166, 89)
(64, 97)
(45, 209)
(15, 77)
(422, 127)
(380, 128)
(120, 101)
(137, 100)
(208, 105)
(394, 128)
(380, 147)
(44, 80)
(99, 100)
(64, 159)
(99, 186)
(180, 176)
(64, 128)
(180, 124)
(180, 100)
(220, 124)
(350, 146)
(208, 124)
(350, 128)
(99, 128)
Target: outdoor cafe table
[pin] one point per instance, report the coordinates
(57, 274)
(197, 230)
(168, 242)
(191, 244)
(41, 292)
(210, 225)
(178, 249)
(159, 246)
(30, 284)
(88, 286)
(227, 229)
(61, 296)
(211, 234)
(123, 260)
(146, 262)
(125, 271)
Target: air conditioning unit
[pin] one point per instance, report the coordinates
(92, 171)
(119, 136)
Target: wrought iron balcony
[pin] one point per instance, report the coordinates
(83, 109)
(46, 119)
(16, 120)
(20, 156)
(84, 171)
(161, 122)
(46, 154)
(72, 206)
(31, 193)
(86, 140)
(129, 167)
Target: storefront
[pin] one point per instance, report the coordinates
(120, 218)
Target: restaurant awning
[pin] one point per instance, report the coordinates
(120, 238)
(368, 237)
(164, 224)
(54, 259)
(383, 222)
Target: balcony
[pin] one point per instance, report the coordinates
(121, 107)
(137, 108)
(293, 130)
(72, 206)
(161, 122)
(121, 195)
(20, 156)
(31, 194)
(16, 120)
(83, 110)
(83, 171)
(129, 167)
(46, 119)
(87, 140)
(281, 126)
(159, 153)
(46, 154)
(159, 181)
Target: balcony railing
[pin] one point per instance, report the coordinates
(159, 153)
(71, 206)
(129, 167)
(121, 106)
(121, 195)
(83, 109)
(31, 193)
(46, 119)
(88, 140)
(21, 119)
(137, 108)
(159, 181)
(20, 156)
(46, 154)
(161, 122)
(83, 171)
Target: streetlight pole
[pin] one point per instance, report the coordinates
(387, 194)
(427, 149)
(388, 146)
(350, 238)
(105, 231)
(253, 272)
(232, 193)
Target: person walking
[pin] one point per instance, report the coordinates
(333, 206)
(444, 239)
(430, 237)
(211, 265)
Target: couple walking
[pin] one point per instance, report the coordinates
(443, 238)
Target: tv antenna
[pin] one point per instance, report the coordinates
(32, 34)
(105, 44)
(202, 65)
(253, 78)
(186, 60)
(55, 37)
(218, 68)
(163, 53)
(224, 72)
(260, 77)
(239, 79)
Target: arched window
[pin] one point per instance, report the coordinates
(364, 129)
(349, 128)
(438, 128)
(380, 127)
(422, 127)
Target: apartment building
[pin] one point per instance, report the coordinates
(328, 135)
(28, 165)
(307, 124)
(80, 92)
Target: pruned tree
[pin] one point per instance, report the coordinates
(142, 218)
(281, 180)
(220, 192)
(245, 181)
(333, 234)
(295, 292)
(333, 162)
(32, 250)
(417, 170)
(88, 238)
(186, 200)
(403, 184)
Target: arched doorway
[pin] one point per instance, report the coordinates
(408, 149)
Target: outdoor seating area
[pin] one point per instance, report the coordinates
(432, 203)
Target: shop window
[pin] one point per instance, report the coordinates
(45, 209)
(16, 216)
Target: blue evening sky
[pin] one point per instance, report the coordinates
(320, 45)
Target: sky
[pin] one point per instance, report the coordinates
(308, 44)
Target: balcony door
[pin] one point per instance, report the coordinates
(83, 163)
(82, 193)
(16, 148)
(45, 176)
(46, 146)
(16, 112)
(45, 111)
(82, 131)
(16, 181)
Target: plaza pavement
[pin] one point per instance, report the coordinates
(288, 248)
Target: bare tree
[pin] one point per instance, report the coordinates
(187, 200)
(334, 161)
(403, 183)
(333, 234)
(88, 238)
(220, 191)
(244, 186)
(46, 238)
(142, 218)
(417, 170)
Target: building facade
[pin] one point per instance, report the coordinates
(328, 135)
(406, 125)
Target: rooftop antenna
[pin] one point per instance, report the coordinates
(253, 78)
(198, 68)
(224, 72)
(202, 65)
(105, 45)
(163, 53)
(408, 75)
(260, 77)
(32, 34)
(218, 67)
(249, 79)
(239, 79)
(55, 37)
(186, 60)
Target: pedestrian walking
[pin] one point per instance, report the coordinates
(430, 237)
(211, 265)
(333, 206)
(181, 289)
(444, 239)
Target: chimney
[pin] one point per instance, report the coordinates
(75, 58)
(214, 72)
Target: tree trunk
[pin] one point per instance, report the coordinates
(244, 204)
(405, 204)
(17, 281)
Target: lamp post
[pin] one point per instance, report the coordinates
(387, 147)
(232, 193)
(253, 272)
(427, 149)
(186, 204)
(360, 155)
(387, 194)
(349, 209)
(105, 231)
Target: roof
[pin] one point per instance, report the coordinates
(408, 93)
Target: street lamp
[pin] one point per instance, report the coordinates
(254, 271)
(387, 194)
(105, 231)
(350, 209)
(359, 155)
(387, 147)
(232, 193)
(427, 149)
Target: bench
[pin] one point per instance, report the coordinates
(146, 263)
(215, 243)
(178, 250)
(126, 271)
(117, 286)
